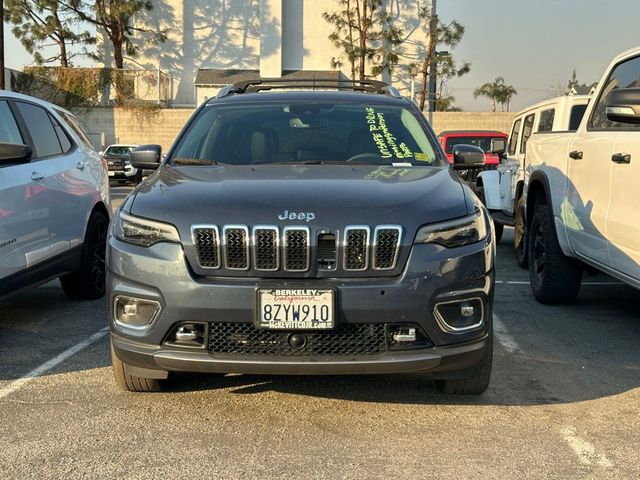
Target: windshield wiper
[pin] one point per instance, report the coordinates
(193, 161)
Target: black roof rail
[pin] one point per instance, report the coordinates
(264, 84)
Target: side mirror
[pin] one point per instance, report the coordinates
(146, 157)
(101, 152)
(467, 156)
(14, 153)
(498, 146)
(623, 105)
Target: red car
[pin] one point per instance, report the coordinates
(477, 138)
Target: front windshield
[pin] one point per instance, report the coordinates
(305, 133)
(483, 143)
(118, 150)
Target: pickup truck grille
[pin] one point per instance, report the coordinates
(291, 249)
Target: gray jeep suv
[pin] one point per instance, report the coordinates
(302, 232)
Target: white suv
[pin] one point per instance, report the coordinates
(54, 200)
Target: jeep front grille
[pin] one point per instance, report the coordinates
(296, 249)
(385, 247)
(271, 249)
(266, 248)
(236, 247)
(207, 242)
(356, 248)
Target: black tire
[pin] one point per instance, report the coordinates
(88, 282)
(554, 277)
(130, 383)
(520, 236)
(499, 228)
(477, 383)
(138, 177)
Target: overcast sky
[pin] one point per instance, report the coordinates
(531, 43)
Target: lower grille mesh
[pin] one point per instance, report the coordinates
(345, 340)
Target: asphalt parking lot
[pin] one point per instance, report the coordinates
(563, 402)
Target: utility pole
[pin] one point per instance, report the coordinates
(433, 60)
(2, 86)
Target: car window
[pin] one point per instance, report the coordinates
(577, 112)
(63, 138)
(73, 123)
(527, 130)
(9, 132)
(481, 142)
(513, 138)
(625, 75)
(546, 120)
(41, 129)
(318, 132)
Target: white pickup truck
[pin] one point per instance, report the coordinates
(502, 188)
(580, 188)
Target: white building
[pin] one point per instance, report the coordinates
(247, 38)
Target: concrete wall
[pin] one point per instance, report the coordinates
(120, 125)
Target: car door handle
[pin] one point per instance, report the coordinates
(37, 175)
(80, 165)
(576, 155)
(621, 158)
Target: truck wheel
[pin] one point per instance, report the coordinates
(129, 383)
(499, 231)
(138, 177)
(554, 277)
(88, 282)
(520, 236)
(477, 383)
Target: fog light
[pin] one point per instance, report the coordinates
(460, 316)
(135, 312)
(188, 335)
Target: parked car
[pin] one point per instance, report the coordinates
(580, 187)
(54, 200)
(502, 188)
(478, 138)
(302, 232)
(119, 165)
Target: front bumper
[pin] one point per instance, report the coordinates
(436, 359)
(431, 275)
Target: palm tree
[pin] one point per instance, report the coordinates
(497, 91)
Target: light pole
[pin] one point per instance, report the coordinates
(413, 73)
(433, 60)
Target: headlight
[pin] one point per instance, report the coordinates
(141, 231)
(455, 233)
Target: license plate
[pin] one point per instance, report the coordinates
(112, 174)
(304, 309)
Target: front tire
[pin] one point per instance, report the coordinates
(554, 277)
(131, 383)
(477, 383)
(87, 283)
(499, 228)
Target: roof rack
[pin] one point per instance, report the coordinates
(265, 84)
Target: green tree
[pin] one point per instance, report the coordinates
(448, 34)
(447, 70)
(364, 32)
(498, 92)
(116, 19)
(46, 23)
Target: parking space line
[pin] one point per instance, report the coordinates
(503, 336)
(588, 284)
(50, 364)
(584, 450)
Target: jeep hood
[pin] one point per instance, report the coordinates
(336, 195)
